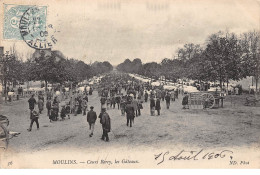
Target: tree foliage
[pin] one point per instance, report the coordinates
(224, 57)
(51, 68)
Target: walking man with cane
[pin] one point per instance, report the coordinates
(106, 124)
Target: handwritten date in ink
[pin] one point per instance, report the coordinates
(191, 155)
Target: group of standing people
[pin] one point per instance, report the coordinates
(76, 105)
(160, 95)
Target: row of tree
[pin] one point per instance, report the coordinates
(225, 57)
(50, 68)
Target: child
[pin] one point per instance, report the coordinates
(54, 112)
(158, 106)
(63, 112)
(68, 110)
(140, 106)
(122, 106)
(185, 101)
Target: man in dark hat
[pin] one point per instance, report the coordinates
(91, 118)
(158, 106)
(152, 106)
(34, 118)
(185, 101)
(130, 113)
(145, 96)
(48, 106)
(168, 100)
(106, 125)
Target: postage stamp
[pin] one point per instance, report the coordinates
(33, 28)
(12, 18)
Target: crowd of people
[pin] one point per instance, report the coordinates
(116, 91)
(128, 95)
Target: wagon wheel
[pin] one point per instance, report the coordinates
(208, 100)
(4, 137)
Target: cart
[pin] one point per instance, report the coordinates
(4, 134)
(205, 99)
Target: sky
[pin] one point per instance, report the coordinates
(113, 30)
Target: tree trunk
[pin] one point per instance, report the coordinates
(5, 93)
(182, 85)
(200, 84)
(46, 87)
(227, 86)
(256, 84)
(71, 89)
(220, 82)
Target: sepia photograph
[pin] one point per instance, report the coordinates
(129, 84)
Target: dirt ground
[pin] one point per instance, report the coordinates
(234, 127)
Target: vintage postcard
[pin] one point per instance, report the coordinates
(95, 84)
